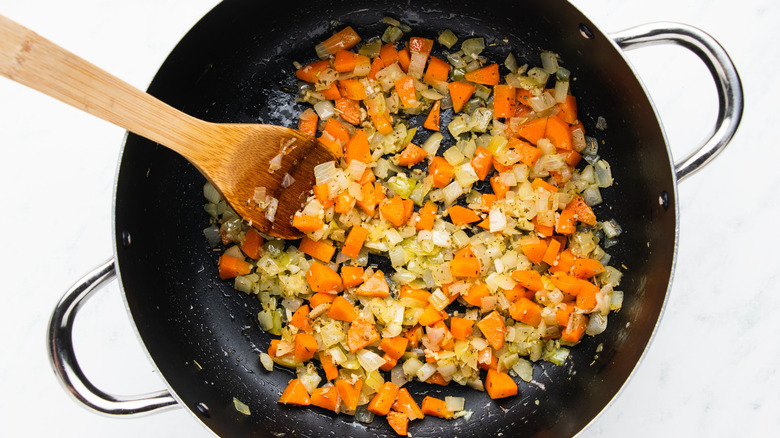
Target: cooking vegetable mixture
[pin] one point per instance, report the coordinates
(498, 259)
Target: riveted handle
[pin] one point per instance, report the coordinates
(727, 82)
(66, 367)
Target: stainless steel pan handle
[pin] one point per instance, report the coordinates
(727, 82)
(66, 367)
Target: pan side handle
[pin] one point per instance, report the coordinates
(727, 82)
(66, 367)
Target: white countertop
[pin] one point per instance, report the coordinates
(710, 371)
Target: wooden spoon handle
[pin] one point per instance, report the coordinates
(36, 62)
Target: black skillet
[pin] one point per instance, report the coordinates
(236, 65)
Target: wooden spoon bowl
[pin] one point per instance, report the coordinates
(235, 158)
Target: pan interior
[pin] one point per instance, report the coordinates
(236, 65)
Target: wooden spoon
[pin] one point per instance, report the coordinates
(234, 157)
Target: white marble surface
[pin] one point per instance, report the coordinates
(710, 371)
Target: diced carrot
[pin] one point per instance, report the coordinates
(383, 399)
(305, 347)
(411, 155)
(529, 279)
(437, 379)
(476, 293)
(420, 45)
(482, 162)
(493, 329)
(404, 57)
(500, 167)
(360, 334)
(332, 92)
(375, 286)
(393, 210)
(436, 407)
(295, 394)
(533, 130)
(367, 199)
(349, 391)
(399, 422)
(526, 311)
(566, 283)
(301, 320)
(394, 347)
(230, 267)
(487, 75)
(334, 136)
(404, 403)
(311, 72)
(344, 202)
(568, 110)
(438, 70)
(326, 397)
(586, 268)
(381, 123)
(504, 101)
(307, 122)
(461, 328)
(488, 199)
(572, 157)
(565, 261)
(414, 335)
(367, 177)
(357, 147)
(539, 183)
(514, 294)
(529, 154)
(427, 216)
(499, 189)
(567, 221)
(486, 359)
(344, 39)
(406, 92)
(322, 193)
(346, 61)
(415, 294)
(388, 54)
(562, 313)
(584, 212)
(534, 250)
(318, 249)
(351, 276)
(252, 244)
(354, 242)
(307, 224)
(376, 65)
(552, 252)
(575, 328)
(557, 131)
(499, 385)
(432, 120)
(431, 316)
(273, 347)
(460, 93)
(523, 96)
(441, 171)
(586, 297)
(462, 215)
(353, 89)
(544, 230)
(322, 278)
(349, 110)
(465, 267)
(321, 298)
(342, 310)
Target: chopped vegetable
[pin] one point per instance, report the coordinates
(487, 213)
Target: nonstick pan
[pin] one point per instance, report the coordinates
(236, 65)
